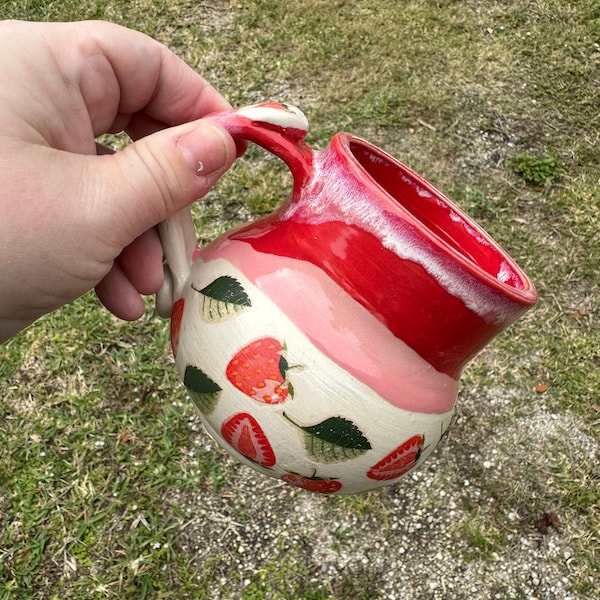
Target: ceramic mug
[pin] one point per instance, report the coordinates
(323, 344)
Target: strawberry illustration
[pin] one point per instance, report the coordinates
(243, 432)
(313, 483)
(176, 315)
(399, 461)
(259, 370)
(278, 105)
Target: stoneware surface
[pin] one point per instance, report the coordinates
(322, 345)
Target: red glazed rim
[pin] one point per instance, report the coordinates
(452, 235)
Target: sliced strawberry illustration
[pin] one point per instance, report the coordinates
(313, 483)
(399, 461)
(259, 370)
(243, 432)
(176, 315)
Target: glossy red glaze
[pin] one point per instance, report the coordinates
(412, 302)
(391, 240)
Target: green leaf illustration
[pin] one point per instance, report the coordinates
(333, 440)
(283, 366)
(223, 299)
(203, 390)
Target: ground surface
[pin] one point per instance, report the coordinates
(109, 488)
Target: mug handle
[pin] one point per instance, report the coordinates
(277, 127)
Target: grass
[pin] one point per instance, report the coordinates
(537, 171)
(108, 488)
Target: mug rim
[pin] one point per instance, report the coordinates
(523, 292)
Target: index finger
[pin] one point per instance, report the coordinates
(143, 75)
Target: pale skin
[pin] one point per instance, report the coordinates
(74, 217)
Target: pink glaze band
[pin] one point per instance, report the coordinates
(341, 328)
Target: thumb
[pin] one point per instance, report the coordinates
(162, 173)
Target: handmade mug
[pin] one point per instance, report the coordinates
(323, 344)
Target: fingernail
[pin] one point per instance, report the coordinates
(205, 148)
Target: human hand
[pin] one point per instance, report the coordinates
(73, 217)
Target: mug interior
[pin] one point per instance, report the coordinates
(440, 217)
